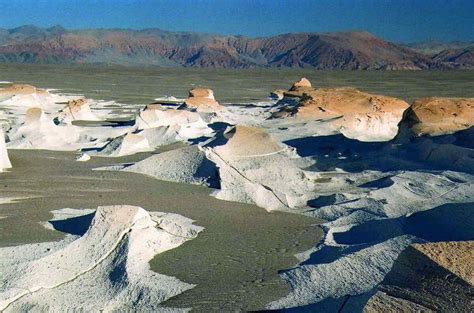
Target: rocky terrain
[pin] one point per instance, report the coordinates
(392, 182)
(154, 47)
(108, 262)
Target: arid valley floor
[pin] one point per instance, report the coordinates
(176, 189)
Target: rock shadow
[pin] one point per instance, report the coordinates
(75, 225)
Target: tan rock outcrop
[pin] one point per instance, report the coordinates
(77, 109)
(455, 256)
(439, 116)
(356, 114)
(249, 141)
(439, 276)
(17, 89)
(202, 100)
(324, 102)
(303, 83)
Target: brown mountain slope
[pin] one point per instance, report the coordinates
(154, 47)
(461, 58)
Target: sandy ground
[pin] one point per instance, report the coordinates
(234, 261)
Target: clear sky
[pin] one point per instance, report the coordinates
(395, 20)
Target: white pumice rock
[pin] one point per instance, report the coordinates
(106, 268)
(4, 159)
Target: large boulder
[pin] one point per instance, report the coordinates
(40, 132)
(255, 168)
(106, 266)
(21, 89)
(187, 124)
(76, 110)
(17, 98)
(356, 114)
(202, 100)
(439, 116)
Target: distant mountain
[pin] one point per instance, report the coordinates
(434, 47)
(155, 47)
(463, 58)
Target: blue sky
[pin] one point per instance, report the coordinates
(395, 20)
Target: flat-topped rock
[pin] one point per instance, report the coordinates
(21, 89)
(202, 99)
(256, 168)
(201, 93)
(248, 141)
(347, 100)
(356, 114)
(439, 116)
(77, 109)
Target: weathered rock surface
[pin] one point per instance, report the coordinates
(356, 114)
(439, 116)
(202, 100)
(302, 84)
(254, 168)
(76, 110)
(277, 94)
(107, 263)
(21, 89)
(434, 277)
(185, 165)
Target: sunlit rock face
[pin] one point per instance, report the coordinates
(355, 114)
(76, 110)
(254, 168)
(202, 100)
(439, 116)
(440, 131)
(301, 84)
(21, 89)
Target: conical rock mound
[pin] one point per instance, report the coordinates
(254, 168)
(105, 269)
(186, 165)
(39, 132)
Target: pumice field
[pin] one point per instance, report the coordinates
(237, 156)
(317, 199)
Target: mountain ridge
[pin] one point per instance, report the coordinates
(156, 47)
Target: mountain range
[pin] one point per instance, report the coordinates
(156, 47)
